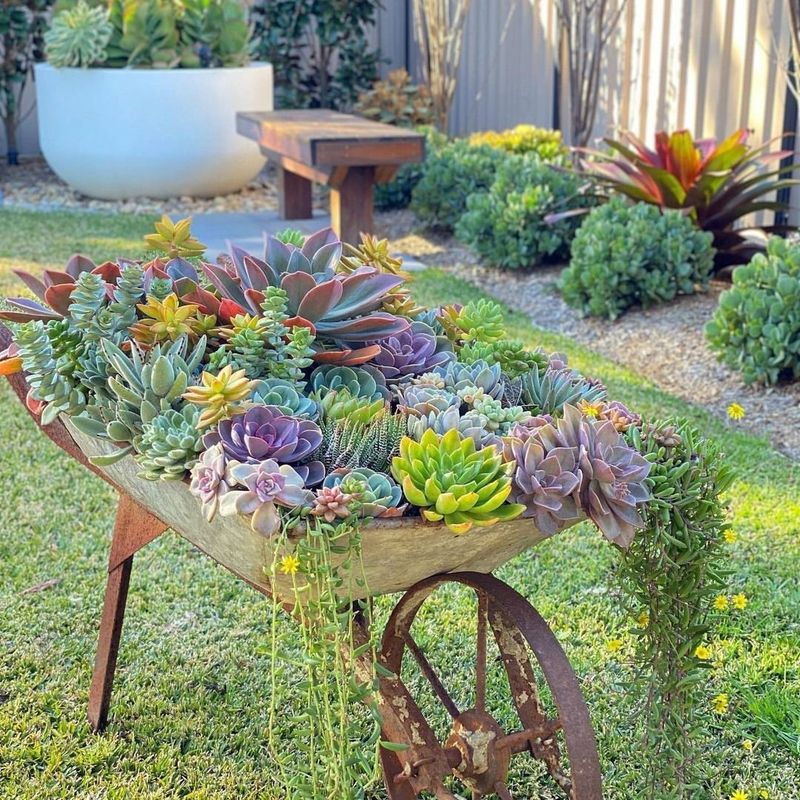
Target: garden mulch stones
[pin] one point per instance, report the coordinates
(664, 344)
(33, 184)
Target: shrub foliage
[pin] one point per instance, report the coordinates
(756, 327)
(318, 49)
(452, 173)
(523, 139)
(627, 255)
(506, 224)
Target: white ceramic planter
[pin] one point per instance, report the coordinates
(123, 133)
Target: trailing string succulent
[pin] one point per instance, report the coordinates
(304, 386)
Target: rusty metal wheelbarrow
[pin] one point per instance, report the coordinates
(477, 750)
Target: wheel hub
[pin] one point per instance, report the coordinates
(473, 742)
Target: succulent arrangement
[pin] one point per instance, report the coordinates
(150, 33)
(304, 382)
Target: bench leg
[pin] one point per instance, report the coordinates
(294, 195)
(351, 204)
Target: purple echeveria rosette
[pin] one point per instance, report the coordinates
(412, 352)
(265, 432)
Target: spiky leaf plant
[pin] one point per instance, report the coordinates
(548, 391)
(78, 36)
(349, 443)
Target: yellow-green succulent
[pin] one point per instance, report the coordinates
(175, 238)
(451, 480)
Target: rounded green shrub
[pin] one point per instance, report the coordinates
(634, 255)
(506, 224)
(397, 192)
(452, 173)
(756, 327)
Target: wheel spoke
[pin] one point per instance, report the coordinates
(480, 665)
(502, 791)
(432, 677)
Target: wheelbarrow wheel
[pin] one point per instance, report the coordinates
(478, 748)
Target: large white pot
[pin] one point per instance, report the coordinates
(122, 133)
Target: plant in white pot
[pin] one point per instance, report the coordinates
(139, 98)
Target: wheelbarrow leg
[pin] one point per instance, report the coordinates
(133, 528)
(108, 644)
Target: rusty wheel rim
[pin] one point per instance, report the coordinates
(477, 749)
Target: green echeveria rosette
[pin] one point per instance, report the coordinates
(170, 445)
(376, 494)
(452, 481)
(284, 395)
(363, 381)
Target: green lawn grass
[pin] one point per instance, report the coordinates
(192, 685)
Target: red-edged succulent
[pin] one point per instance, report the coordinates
(340, 308)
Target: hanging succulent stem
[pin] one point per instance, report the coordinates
(340, 760)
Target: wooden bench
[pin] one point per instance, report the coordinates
(348, 153)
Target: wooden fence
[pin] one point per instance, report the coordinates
(709, 65)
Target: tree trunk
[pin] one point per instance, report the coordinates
(12, 156)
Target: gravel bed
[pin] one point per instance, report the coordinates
(33, 184)
(665, 344)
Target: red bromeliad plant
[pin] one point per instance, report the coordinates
(716, 183)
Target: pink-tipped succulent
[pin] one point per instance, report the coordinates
(612, 474)
(262, 487)
(415, 351)
(265, 432)
(332, 504)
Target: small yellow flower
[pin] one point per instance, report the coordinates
(748, 745)
(721, 602)
(740, 795)
(592, 410)
(614, 645)
(763, 794)
(730, 536)
(720, 703)
(739, 601)
(290, 564)
(702, 652)
(644, 619)
(735, 411)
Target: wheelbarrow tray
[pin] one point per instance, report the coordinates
(396, 552)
